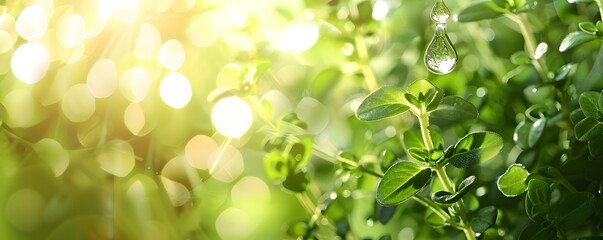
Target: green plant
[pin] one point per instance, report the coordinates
(405, 179)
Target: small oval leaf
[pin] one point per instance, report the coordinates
(400, 182)
(475, 148)
(455, 109)
(588, 128)
(480, 11)
(574, 39)
(385, 102)
(589, 103)
(447, 198)
(484, 219)
(513, 181)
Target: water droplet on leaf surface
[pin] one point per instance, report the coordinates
(439, 12)
(440, 56)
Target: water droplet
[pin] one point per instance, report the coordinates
(440, 56)
(439, 12)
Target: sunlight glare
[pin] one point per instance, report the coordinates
(175, 90)
(135, 84)
(301, 35)
(102, 78)
(32, 23)
(71, 30)
(134, 118)
(171, 54)
(30, 62)
(149, 40)
(232, 117)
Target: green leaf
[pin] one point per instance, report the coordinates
(588, 27)
(575, 209)
(300, 153)
(475, 148)
(520, 58)
(574, 39)
(422, 86)
(594, 146)
(383, 103)
(419, 154)
(297, 181)
(387, 158)
(526, 6)
(481, 10)
(275, 166)
(535, 232)
(400, 182)
(536, 130)
(383, 213)
(455, 108)
(588, 128)
(433, 98)
(484, 219)
(513, 181)
(447, 197)
(413, 139)
(538, 200)
(434, 220)
(589, 103)
(576, 116)
(521, 134)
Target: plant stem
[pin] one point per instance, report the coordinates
(528, 37)
(367, 71)
(435, 208)
(424, 124)
(444, 179)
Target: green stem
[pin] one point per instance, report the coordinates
(367, 71)
(528, 37)
(424, 124)
(444, 179)
(435, 208)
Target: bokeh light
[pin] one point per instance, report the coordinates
(78, 103)
(232, 117)
(21, 108)
(203, 31)
(175, 90)
(71, 31)
(32, 23)
(102, 78)
(171, 54)
(53, 153)
(116, 158)
(198, 151)
(134, 118)
(30, 62)
(8, 33)
(25, 209)
(234, 223)
(135, 83)
(148, 43)
(229, 166)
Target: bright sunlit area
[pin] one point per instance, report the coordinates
(301, 119)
